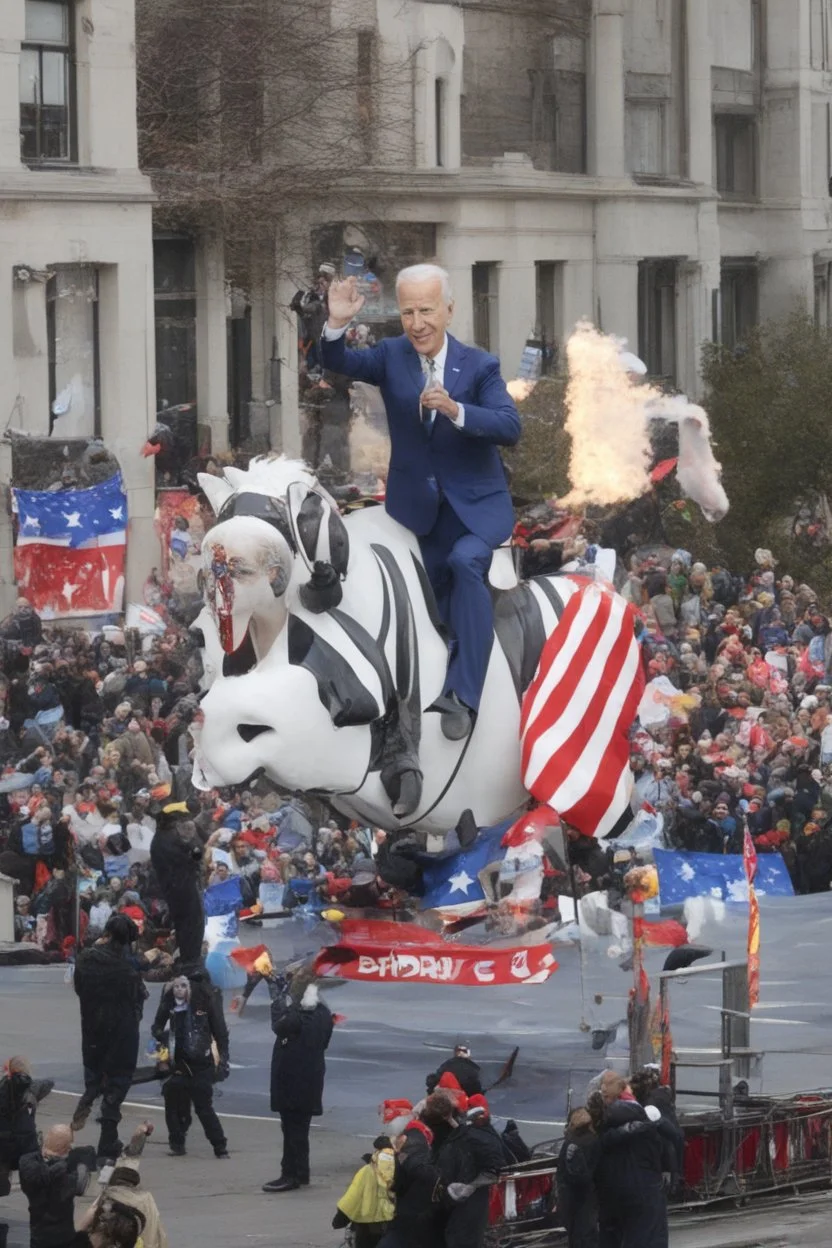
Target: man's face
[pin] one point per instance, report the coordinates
(425, 315)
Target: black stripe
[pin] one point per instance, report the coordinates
(384, 626)
(340, 690)
(407, 655)
(518, 623)
(369, 649)
(308, 523)
(430, 598)
(545, 583)
(262, 507)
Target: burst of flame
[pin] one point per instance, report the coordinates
(520, 389)
(607, 420)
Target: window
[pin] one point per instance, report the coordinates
(174, 274)
(46, 82)
(738, 297)
(484, 284)
(657, 317)
(736, 155)
(364, 91)
(549, 300)
(570, 104)
(823, 294)
(72, 336)
(644, 126)
(439, 88)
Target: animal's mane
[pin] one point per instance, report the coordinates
(273, 474)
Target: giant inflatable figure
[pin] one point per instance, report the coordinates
(323, 651)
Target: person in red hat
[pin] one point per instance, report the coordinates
(469, 1158)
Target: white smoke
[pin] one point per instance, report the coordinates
(607, 417)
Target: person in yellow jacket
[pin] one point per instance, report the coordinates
(368, 1205)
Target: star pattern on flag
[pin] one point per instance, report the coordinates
(72, 517)
(70, 548)
(461, 882)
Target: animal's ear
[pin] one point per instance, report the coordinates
(236, 477)
(318, 528)
(215, 490)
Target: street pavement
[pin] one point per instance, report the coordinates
(393, 1034)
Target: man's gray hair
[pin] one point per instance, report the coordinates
(427, 273)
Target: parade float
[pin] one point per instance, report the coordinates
(323, 652)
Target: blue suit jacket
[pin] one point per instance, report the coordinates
(429, 463)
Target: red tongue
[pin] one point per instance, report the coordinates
(226, 623)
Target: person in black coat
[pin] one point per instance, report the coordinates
(632, 1174)
(415, 1186)
(303, 1028)
(111, 995)
(192, 1010)
(176, 855)
(20, 1096)
(470, 1155)
(464, 1069)
(50, 1179)
(653, 1095)
(577, 1200)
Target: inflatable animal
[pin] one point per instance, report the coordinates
(323, 650)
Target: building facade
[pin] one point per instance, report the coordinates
(661, 167)
(76, 319)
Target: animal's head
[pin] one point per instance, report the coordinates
(278, 538)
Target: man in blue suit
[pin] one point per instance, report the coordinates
(448, 410)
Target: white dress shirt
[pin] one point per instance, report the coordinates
(439, 360)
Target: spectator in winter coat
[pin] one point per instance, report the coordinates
(649, 1092)
(633, 1171)
(577, 1200)
(111, 995)
(463, 1068)
(303, 1029)
(367, 1205)
(470, 1156)
(20, 1096)
(51, 1179)
(415, 1221)
(192, 1010)
(124, 1189)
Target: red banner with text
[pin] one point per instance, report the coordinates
(431, 963)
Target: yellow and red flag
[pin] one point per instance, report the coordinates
(749, 854)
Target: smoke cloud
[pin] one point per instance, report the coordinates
(608, 417)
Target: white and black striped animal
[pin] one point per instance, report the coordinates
(323, 650)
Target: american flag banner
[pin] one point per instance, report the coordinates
(579, 708)
(70, 550)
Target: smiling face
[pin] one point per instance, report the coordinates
(425, 314)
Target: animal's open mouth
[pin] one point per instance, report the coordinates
(251, 731)
(241, 660)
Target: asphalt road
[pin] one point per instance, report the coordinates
(393, 1034)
